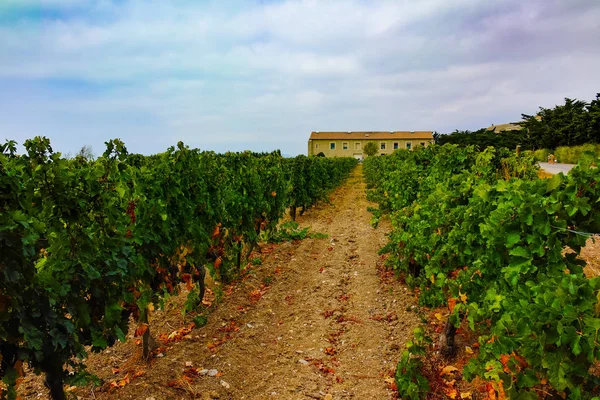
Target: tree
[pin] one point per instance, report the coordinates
(370, 149)
(86, 153)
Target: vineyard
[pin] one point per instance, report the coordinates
(104, 263)
(87, 245)
(495, 249)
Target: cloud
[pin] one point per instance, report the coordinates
(235, 75)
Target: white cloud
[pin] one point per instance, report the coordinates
(224, 75)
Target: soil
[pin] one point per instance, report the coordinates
(318, 318)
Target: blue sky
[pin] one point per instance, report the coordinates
(261, 75)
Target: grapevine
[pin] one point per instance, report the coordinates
(479, 232)
(88, 244)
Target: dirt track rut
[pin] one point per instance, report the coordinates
(328, 326)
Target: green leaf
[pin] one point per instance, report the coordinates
(120, 334)
(512, 238)
(593, 323)
(520, 252)
(99, 341)
(527, 379)
(91, 272)
(120, 189)
(576, 347)
(553, 182)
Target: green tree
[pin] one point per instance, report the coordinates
(370, 149)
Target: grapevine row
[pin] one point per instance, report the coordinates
(85, 245)
(479, 232)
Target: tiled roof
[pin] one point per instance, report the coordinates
(378, 135)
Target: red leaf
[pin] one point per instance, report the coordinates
(329, 351)
(141, 329)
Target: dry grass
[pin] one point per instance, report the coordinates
(544, 174)
(591, 254)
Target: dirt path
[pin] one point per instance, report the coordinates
(326, 327)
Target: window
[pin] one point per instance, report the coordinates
(345, 145)
(316, 145)
(395, 145)
(408, 145)
(332, 146)
(382, 145)
(357, 146)
(423, 144)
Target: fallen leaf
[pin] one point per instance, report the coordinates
(177, 335)
(124, 381)
(141, 329)
(230, 327)
(137, 374)
(119, 384)
(501, 394)
(449, 369)
(491, 392)
(451, 392)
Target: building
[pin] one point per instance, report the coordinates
(351, 144)
(511, 126)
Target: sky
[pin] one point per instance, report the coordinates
(262, 74)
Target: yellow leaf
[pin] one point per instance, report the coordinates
(449, 369)
(462, 297)
(465, 395)
(451, 392)
(468, 350)
(439, 316)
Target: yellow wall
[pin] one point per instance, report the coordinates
(323, 145)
